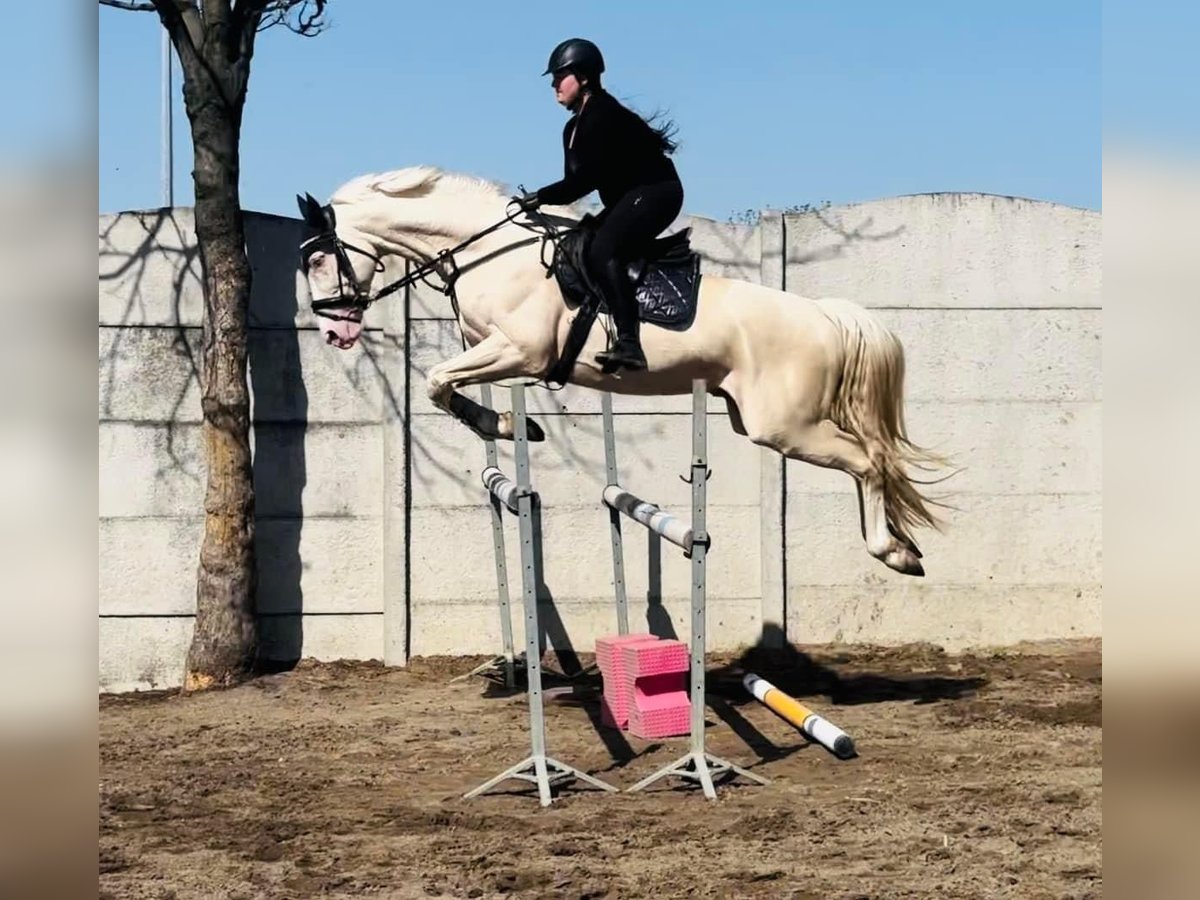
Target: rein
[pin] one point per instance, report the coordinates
(444, 265)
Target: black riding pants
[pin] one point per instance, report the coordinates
(624, 231)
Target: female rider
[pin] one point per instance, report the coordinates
(611, 149)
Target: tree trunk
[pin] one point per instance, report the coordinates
(225, 640)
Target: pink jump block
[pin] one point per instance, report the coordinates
(620, 701)
(614, 705)
(645, 685)
(659, 658)
(608, 648)
(615, 701)
(614, 714)
(660, 706)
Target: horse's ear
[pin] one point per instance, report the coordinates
(328, 217)
(311, 212)
(405, 181)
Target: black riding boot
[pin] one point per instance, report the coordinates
(626, 351)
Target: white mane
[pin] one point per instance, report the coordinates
(419, 179)
(420, 201)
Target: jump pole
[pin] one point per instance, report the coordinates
(538, 768)
(812, 726)
(697, 764)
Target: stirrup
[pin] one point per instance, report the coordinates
(611, 360)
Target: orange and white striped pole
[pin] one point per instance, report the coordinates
(813, 726)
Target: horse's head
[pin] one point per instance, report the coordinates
(340, 264)
(419, 216)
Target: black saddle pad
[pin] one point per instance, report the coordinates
(667, 292)
(666, 279)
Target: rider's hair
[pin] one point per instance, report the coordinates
(665, 132)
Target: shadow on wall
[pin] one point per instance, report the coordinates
(280, 428)
(133, 268)
(840, 236)
(830, 238)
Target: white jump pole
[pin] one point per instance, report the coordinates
(663, 523)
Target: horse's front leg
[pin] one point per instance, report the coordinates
(493, 358)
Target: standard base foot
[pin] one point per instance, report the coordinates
(543, 771)
(701, 767)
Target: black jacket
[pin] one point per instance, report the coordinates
(614, 151)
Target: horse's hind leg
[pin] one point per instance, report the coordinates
(493, 358)
(824, 444)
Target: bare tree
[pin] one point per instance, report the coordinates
(214, 40)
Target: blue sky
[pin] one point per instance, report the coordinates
(1152, 75)
(777, 103)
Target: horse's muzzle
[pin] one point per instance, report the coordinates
(341, 326)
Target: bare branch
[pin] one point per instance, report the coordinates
(128, 4)
(306, 21)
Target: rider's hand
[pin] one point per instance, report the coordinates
(528, 201)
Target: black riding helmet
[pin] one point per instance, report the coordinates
(577, 54)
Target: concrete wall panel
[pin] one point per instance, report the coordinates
(948, 251)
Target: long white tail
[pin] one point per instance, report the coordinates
(870, 405)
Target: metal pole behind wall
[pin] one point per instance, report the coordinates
(167, 150)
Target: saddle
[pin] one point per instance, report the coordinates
(666, 282)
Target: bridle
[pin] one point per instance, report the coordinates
(443, 264)
(355, 297)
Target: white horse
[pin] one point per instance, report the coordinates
(816, 380)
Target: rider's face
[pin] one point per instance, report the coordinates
(566, 88)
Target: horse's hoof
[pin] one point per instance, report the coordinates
(907, 542)
(905, 562)
(504, 429)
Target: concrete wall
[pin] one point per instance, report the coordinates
(997, 301)
(373, 529)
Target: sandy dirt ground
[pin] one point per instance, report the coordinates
(978, 775)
